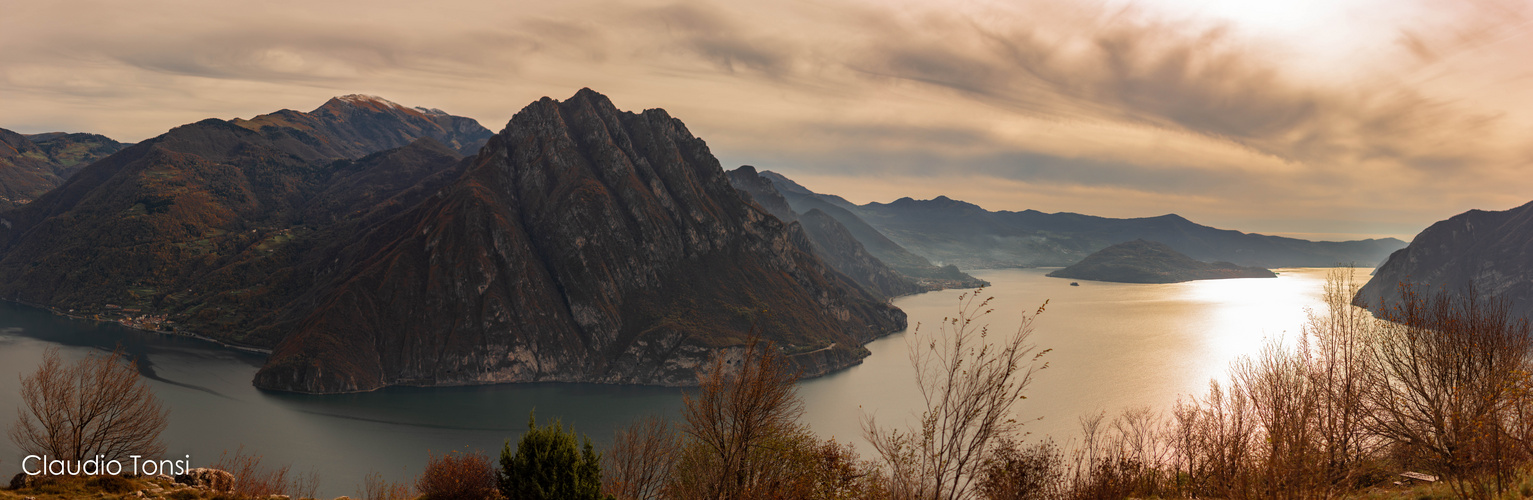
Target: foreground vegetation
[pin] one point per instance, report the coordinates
(1441, 387)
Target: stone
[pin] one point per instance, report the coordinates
(22, 481)
(207, 479)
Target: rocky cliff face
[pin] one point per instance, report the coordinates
(1493, 251)
(581, 244)
(832, 242)
(354, 125)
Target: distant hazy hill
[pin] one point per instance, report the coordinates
(30, 165)
(835, 244)
(1141, 261)
(1491, 250)
(955, 232)
(913, 266)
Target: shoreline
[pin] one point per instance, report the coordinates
(178, 333)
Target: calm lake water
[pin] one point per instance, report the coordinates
(1114, 346)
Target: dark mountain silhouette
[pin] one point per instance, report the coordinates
(204, 223)
(950, 231)
(1491, 251)
(354, 125)
(581, 244)
(1141, 261)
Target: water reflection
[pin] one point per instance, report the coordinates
(1114, 346)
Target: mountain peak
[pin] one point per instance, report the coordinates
(367, 99)
(355, 125)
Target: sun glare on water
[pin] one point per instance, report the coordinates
(1249, 313)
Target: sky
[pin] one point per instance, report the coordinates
(1321, 119)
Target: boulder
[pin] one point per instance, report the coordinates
(23, 481)
(207, 479)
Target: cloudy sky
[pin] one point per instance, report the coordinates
(1327, 119)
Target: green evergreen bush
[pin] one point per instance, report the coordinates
(547, 465)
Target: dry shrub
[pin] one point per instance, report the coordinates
(826, 470)
(971, 382)
(1016, 472)
(458, 476)
(375, 487)
(638, 466)
(252, 479)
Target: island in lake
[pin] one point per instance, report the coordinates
(1141, 261)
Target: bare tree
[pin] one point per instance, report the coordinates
(971, 383)
(638, 465)
(1285, 405)
(97, 406)
(743, 412)
(1338, 344)
(1450, 371)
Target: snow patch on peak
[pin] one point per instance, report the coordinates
(431, 111)
(364, 98)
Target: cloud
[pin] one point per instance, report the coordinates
(1095, 99)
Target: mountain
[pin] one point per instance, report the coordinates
(354, 125)
(831, 240)
(951, 231)
(1141, 261)
(896, 257)
(1493, 251)
(71, 152)
(582, 243)
(30, 165)
(213, 224)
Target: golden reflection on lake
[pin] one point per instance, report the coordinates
(1114, 345)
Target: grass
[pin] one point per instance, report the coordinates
(113, 488)
(1521, 488)
(106, 487)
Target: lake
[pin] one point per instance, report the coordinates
(1114, 346)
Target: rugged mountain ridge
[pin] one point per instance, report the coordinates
(1141, 261)
(581, 244)
(354, 125)
(956, 232)
(831, 240)
(1490, 250)
(207, 225)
